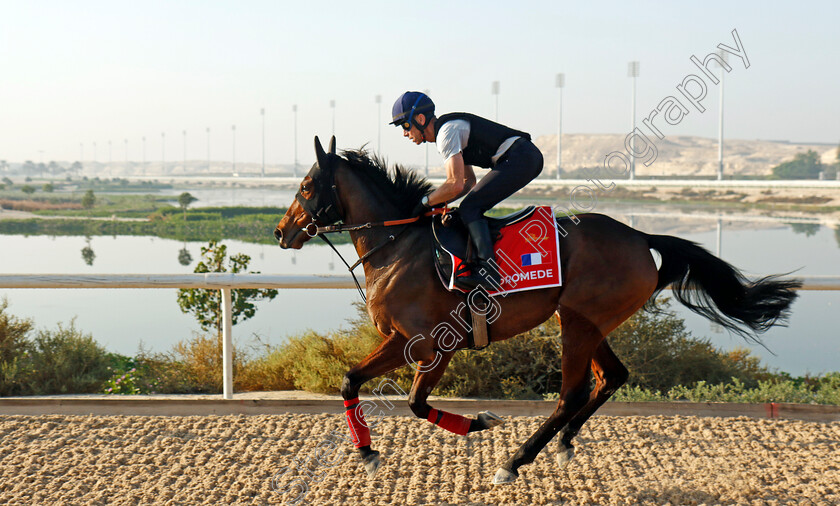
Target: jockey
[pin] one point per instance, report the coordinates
(465, 140)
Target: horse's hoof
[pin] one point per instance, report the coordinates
(489, 420)
(504, 476)
(567, 453)
(372, 463)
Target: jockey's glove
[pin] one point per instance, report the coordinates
(421, 208)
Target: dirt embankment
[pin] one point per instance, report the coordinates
(275, 459)
(681, 155)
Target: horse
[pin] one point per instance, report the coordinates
(608, 271)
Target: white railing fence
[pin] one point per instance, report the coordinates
(226, 282)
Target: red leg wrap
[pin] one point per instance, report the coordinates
(356, 420)
(449, 421)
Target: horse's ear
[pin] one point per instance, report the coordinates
(319, 153)
(332, 145)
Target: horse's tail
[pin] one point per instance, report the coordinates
(715, 289)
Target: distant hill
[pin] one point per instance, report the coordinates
(681, 156)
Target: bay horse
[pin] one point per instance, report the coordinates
(608, 273)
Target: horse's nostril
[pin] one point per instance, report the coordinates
(278, 234)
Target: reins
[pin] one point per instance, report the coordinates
(371, 224)
(328, 229)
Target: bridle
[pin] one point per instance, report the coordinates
(325, 206)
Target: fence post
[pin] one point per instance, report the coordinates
(227, 343)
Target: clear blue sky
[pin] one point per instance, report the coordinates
(84, 72)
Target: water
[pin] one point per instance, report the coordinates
(217, 197)
(121, 319)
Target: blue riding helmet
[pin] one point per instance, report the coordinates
(409, 104)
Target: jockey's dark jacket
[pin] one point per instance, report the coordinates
(485, 137)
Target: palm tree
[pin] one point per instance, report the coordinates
(184, 200)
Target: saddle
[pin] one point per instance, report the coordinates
(527, 251)
(526, 246)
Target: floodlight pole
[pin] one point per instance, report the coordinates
(294, 170)
(633, 72)
(185, 151)
(233, 154)
(559, 82)
(723, 56)
(332, 106)
(494, 89)
(378, 100)
(262, 113)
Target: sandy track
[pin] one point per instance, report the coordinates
(251, 459)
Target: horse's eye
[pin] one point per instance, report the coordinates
(305, 188)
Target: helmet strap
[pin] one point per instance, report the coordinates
(414, 122)
(420, 127)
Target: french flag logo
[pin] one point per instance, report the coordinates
(529, 259)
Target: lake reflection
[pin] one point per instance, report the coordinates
(122, 318)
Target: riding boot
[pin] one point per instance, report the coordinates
(484, 271)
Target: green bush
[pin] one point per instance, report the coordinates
(524, 367)
(57, 361)
(131, 375)
(14, 352)
(803, 166)
(88, 199)
(198, 363)
(123, 383)
(666, 364)
(317, 363)
(815, 390)
(515, 368)
(67, 361)
(264, 373)
(655, 347)
(202, 216)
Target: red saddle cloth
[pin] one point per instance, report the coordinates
(527, 251)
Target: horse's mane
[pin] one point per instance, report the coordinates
(401, 186)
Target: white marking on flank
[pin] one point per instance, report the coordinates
(657, 258)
